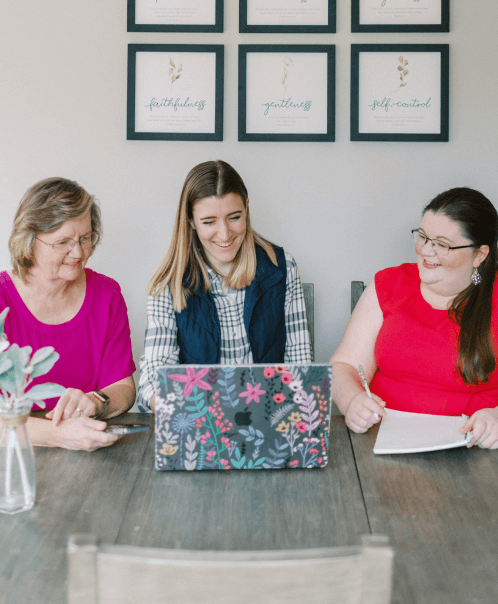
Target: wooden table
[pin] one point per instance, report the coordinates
(439, 509)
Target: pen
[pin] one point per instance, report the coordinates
(365, 385)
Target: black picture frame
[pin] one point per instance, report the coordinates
(328, 103)
(217, 27)
(216, 134)
(357, 27)
(245, 28)
(402, 51)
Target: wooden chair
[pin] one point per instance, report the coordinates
(113, 574)
(357, 288)
(309, 300)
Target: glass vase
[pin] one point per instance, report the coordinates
(17, 464)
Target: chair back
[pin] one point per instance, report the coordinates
(357, 288)
(116, 574)
(309, 300)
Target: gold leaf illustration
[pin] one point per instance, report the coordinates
(168, 449)
(170, 71)
(405, 71)
(401, 59)
(400, 68)
(179, 69)
(400, 77)
(406, 62)
(403, 84)
(171, 63)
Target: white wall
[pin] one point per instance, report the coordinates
(343, 209)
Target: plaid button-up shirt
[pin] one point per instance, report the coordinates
(161, 346)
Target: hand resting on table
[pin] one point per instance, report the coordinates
(82, 433)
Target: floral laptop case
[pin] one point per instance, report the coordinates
(242, 417)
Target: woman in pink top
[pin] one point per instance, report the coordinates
(427, 334)
(55, 301)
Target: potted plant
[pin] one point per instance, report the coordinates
(18, 368)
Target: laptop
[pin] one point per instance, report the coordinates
(242, 417)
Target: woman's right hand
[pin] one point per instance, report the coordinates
(360, 415)
(82, 434)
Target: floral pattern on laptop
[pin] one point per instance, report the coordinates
(260, 417)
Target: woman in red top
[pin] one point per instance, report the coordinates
(426, 334)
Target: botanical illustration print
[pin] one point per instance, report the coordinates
(403, 71)
(174, 72)
(288, 62)
(208, 418)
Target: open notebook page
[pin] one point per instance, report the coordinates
(403, 432)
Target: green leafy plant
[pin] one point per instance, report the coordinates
(19, 366)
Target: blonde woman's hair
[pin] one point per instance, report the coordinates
(185, 256)
(44, 208)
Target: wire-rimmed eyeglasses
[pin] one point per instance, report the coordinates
(66, 245)
(440, 247)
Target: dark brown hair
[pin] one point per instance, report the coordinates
(471, 309)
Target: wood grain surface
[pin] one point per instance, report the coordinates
(252, 509)
(75, 492)
(117, 494)
(440, 511)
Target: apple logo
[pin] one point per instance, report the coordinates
(243, 418)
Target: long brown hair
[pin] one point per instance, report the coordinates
(185, 256)
(471, 309)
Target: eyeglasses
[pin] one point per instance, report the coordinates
(66, 245)
(441, 248)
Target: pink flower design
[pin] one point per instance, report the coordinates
(301, 426)
(287, 378)
(279, 398)
(252, 393)
(313, 450)
(191, 379)
(269, 372)
(293, 463)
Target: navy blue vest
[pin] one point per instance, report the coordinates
(199, 336)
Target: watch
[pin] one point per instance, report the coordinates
(104, 399)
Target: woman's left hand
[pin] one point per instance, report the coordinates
(484, 426)
(73, 403)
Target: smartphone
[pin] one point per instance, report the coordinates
(125, 428)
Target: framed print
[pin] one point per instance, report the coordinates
(286, 92)
(175, 15)
(400, 16)
(400, 92)
(287, 16)
(175, 92)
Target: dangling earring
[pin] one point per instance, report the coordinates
(476, 277)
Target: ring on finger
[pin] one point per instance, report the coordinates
(78, 409)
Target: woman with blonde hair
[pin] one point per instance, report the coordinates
(222, 294)
(55, 301)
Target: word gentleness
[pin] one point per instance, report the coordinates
(386, 104)
(286, 104)
(176, 104)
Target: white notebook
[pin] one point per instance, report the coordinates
(403, 432)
